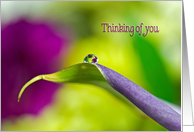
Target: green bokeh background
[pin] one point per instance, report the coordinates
(153, 62)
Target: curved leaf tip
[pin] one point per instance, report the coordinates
(39, 77)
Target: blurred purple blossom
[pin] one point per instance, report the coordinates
(28, 49)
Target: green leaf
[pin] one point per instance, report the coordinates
(80, 73)
(154, 70)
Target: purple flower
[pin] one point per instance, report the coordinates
(28, 49)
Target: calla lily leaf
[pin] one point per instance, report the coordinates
(119, 86)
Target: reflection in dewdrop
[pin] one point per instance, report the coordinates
(91, 58)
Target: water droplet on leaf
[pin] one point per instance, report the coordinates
(91, 58)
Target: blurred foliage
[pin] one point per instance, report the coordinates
(81, 107)
(153, 62)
